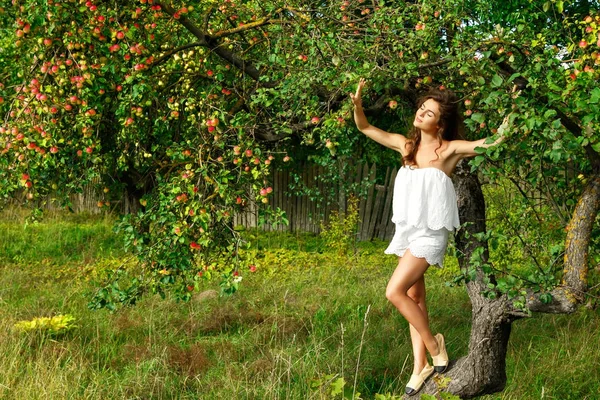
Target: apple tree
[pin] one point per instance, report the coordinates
(183, 108)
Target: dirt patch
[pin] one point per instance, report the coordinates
(136, 352)
(228, 319)
(124, 322)
(281, 327)
(190, 361)
(262, 367)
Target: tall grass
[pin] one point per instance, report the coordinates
(291, 331)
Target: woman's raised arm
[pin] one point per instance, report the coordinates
(466, 148)
(394, 141)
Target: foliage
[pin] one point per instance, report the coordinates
(281, 331)
(186, 108)
(57, 325)
(331, 388)
(340, 233)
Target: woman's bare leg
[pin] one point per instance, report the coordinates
(417, 293)
(409, 270)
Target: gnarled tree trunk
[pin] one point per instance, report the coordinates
(483, 370)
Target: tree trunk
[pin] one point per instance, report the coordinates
(483, 370)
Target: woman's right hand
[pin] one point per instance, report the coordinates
(357, 97)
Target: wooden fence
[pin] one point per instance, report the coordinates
(303, 213)
(306, 214)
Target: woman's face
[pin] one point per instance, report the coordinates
(427, 116)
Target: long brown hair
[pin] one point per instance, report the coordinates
(450, 122)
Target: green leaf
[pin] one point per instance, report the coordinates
(496, 81)
(546, 6)
(595, 95)
(513, 77)
(478, 117)
(559, 6)
(337, 386)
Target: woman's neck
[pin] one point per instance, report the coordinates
(428, 138)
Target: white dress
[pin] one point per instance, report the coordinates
(424, 211)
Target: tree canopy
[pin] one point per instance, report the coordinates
(186, 108)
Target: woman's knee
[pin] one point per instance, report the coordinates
(417, 294)
(395, 294)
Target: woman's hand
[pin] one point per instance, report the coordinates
(506, 122)
(357, 97)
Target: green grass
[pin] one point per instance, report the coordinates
(289, 328)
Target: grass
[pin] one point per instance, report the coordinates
(291, 331)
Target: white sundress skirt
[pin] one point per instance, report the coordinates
(424, 212)
(422, 242)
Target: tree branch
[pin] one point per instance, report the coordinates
(173, 51)
(246, 27)
(210, 42)
(570, 124)
(570, 294)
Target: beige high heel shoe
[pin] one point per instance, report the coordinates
(440, 362)
(416, 381)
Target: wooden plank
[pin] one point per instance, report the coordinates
(379, 208)
(380, 222)
(376, 213)
(388, 203)
(294, 201)
(361, 206)
(368, 205)
(298, 210)
(285, 201)
(320, 206)
(289, 201)
(310, 203)
(279, 193)
(304, 206)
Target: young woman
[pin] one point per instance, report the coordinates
(424, 211)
